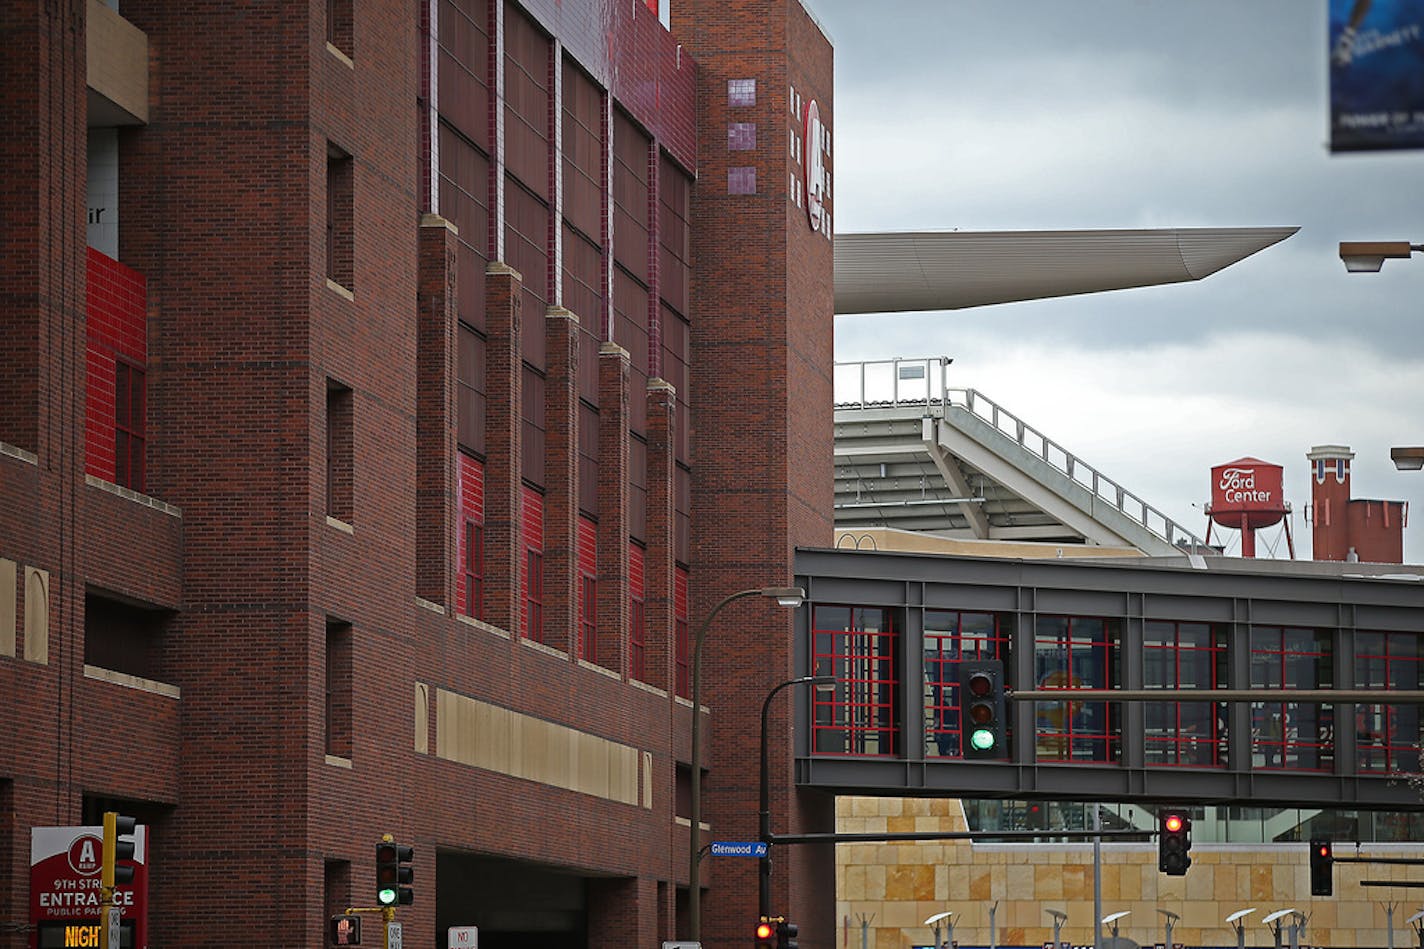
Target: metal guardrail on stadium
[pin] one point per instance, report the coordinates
(923, 382)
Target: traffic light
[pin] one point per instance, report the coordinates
(118, 845)
(766, 933)
(1174, 843)
(1322, 868)
(393, 876)
(786, 934)
(981, 692)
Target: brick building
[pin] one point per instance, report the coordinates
(388, 389)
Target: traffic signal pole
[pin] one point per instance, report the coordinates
(764, 811)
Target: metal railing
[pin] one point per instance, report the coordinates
(923, 382)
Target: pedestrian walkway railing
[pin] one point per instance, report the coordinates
(923, 383)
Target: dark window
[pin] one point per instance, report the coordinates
(1387, 737)
(470, 383)
(338, 689)
(339, 452)
(124, 637)
(339, 26)
(950, 638)
(340, 218)
(532, 450)
(1291, 735)
(857, 715)
(1184, 656)
(534, 597)
(129, 424)
(1077, 652)
(464, 71)
(464, 200)
(683, 649)
(637, 641)
(472, 564)
(588, 618)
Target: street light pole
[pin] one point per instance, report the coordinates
(764, 813)
(789, 597)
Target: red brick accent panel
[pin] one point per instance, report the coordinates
(469, 576)
(613, 520)
(532, 554)
(116, 328)
(435, 416)
(561, 342)
(504, 551)
(587, 567)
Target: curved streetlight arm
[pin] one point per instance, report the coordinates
(764, 812)
(789, 597)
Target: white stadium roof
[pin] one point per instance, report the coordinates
(951, 270)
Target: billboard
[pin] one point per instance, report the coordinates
(1376, 74)
(64, 889)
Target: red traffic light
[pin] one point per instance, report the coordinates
(1324, 850)
(980, 684)
(1173, 823)
(765, 931)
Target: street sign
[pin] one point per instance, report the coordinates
(738, 848)
(462, 937)
(393, 936)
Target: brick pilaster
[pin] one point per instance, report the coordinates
(435, 418)
(658, 565)
(613, 518)
(503, 390)
(561, 349)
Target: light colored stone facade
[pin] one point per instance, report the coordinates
(896, 886)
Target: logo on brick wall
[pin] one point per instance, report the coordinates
(817, 147)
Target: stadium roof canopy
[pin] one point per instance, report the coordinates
(952, 270)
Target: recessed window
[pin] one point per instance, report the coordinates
(741, 180)
(129, 425)
(338, 689)
(534, 597)
(588, 618)
(339, 451)
(340, 218)
(340, 28)
(473, 567)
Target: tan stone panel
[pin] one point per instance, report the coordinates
(1227, 885)
(900, 824)
(1262, 888)
(422, 718)
(9, 602)
(1048, 882)
(37, 615)
(1077, 883)
(981, 885)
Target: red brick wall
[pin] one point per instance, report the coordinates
(115, 327)
(762, 318)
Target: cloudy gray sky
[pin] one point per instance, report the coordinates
(1043, 114)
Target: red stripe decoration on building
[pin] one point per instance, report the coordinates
(116, 307)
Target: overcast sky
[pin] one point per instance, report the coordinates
(1043, 114)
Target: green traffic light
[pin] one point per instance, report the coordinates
(386, 896)
(981, 739)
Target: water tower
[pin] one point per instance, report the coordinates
(1246, 495)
